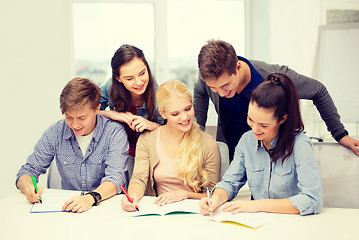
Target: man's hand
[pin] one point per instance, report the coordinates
(78, 204)
(350, 143)
(26, 186)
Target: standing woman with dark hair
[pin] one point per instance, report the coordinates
(275, 157)
(130, 94)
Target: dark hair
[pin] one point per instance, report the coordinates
(120, 96)
(77, 93)
(280, 93)
(215, 58)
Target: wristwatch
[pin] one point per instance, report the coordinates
(95, 196)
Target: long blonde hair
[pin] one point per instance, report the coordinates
(190, 170)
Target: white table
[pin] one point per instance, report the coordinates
(106, 221)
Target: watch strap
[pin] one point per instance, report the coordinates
(96, 196)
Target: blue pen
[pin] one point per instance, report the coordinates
(209, 200)
(35, 185)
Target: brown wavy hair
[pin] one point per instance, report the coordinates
(120, 96)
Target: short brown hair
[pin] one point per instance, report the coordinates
(216, 58)
(77, 93)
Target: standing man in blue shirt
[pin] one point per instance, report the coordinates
(91, 151)
(228, 80)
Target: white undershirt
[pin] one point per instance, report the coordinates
(84, 141)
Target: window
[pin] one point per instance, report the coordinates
(192, 23)
(99, 29)
(170, 32)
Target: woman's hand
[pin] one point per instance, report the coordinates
(208, 207)
(239, 206)
(125, 117)
(78, 204)
(140, 124)
(127, 205)
(170, 197)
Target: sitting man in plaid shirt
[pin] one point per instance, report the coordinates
(91, 151)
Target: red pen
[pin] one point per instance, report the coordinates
(128, 196)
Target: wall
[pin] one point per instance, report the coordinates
(33, 70)
(294, 32)
(285, 32)
(258, 33)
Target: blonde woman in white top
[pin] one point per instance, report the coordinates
(176, 161)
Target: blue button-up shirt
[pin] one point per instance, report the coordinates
(297, 178)
(105, 158)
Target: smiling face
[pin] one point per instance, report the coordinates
(263, 123)
(134, 76)
(227, 85)
(82, 121)
(179, 113)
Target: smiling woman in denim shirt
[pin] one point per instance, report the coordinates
(275, 157)
(130, 95)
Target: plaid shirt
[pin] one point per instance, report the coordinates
(105, 158)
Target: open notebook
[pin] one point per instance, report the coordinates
(147, 207)
(52, 201)
(252, 220)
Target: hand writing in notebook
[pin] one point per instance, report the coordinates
(209, 206)
(127, 205)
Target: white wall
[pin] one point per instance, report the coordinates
(294, 33)
(285, 32)
(258, 39)
(33, 71)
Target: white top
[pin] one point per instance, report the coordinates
(84, 141)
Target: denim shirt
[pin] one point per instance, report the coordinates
(106, 102)
(105, 159)
(297, 178)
